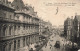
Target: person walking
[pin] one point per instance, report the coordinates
(31, 49)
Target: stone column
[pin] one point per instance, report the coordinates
(17, 30)
(2, 31)
(34, 38)
(7, 47)
(12, 45)
(25, 41)
(30, 39)
(21, 42)
(7, 31)
(4, 47)
(13, 30)
(16, 44)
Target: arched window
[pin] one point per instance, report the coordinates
(23, 41)
(9, 47)
(4, 30)
(18, 43)
(0, 30)
(9, 30)
(17, 8)
(14, 28)
(14, 45)
(18, 27)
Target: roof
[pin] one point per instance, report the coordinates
(18, 4)
(22, 12)
(77, 17)
(6, 8)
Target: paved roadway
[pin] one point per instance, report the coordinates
(50, 44)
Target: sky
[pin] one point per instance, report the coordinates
(55, 11)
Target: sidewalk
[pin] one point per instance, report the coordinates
(35, 46)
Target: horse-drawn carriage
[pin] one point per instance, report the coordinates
(57, 44)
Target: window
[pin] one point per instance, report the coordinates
(17, 17)
(23, 41)
(14, 45)
(9, 30)
(9, 47)
(18, 43)
(24, 27)
(0, 30)
(4, 31)
(18, 27)
(10, 16)
(14, 28)
(17, 8)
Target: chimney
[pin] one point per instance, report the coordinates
(71, 17)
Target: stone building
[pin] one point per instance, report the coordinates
(68, 24)
(76, 25)
(19, 25)
(72, 28)
(17, 28)
(45, 28)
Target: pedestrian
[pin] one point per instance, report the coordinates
(63, 45)
(31, 49)
(46, 44)
(50, 47)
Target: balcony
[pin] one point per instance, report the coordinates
(16, 36)
(9, 20)
(12, 36)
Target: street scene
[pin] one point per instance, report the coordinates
(39, 25)
(50, 46)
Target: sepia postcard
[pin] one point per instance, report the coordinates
(39, 25)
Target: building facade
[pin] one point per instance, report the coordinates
(68, 24)
(76, 24)
(72, 29)
(17, 27)
(20, 26)
(45, 28)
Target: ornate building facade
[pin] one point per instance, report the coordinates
(18, 28)
(19, 25)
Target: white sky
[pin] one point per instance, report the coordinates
(46, 9)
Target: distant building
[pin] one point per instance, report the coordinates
(61, 29)
(45, 28)
(76, 25)
(72, 29)
(68, 24)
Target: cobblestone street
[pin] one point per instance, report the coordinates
(51, 43)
